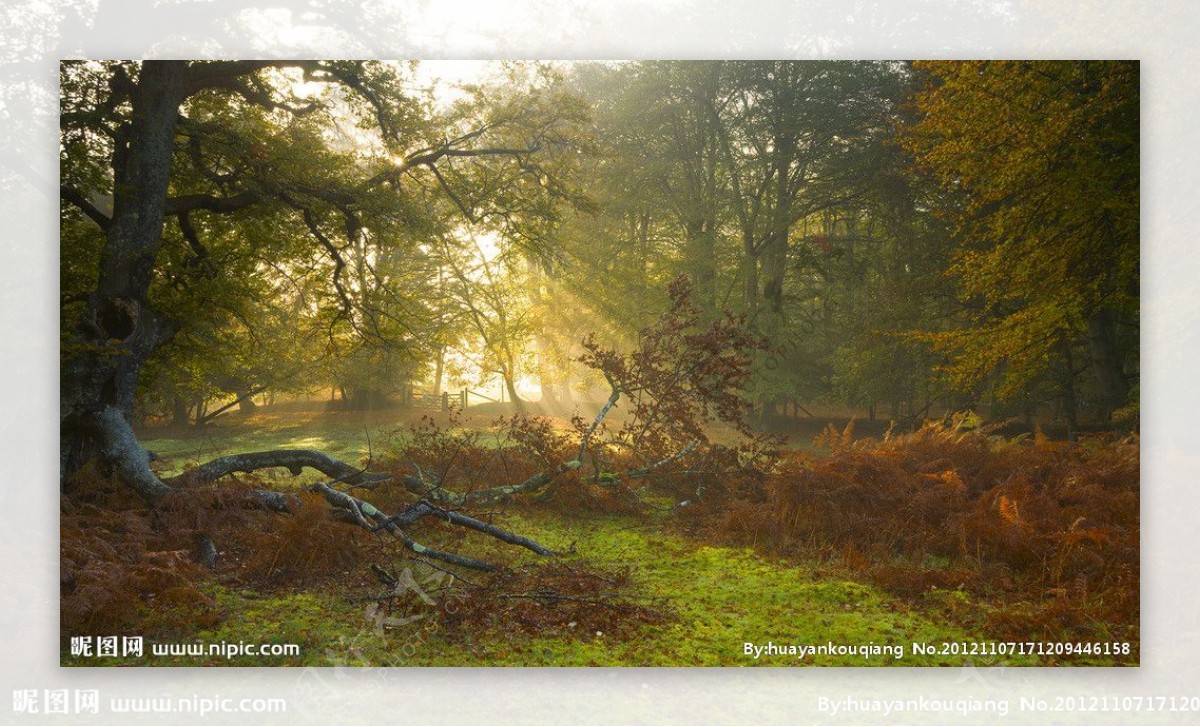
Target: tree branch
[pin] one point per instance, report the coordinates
(425, 509)
(189, 202)
(361, 510)
(193, 241)
(643, 471)
(295, 460)
(486, 495)
(430, 157)
(450, 193)
(339, 264)
(209, 74)
(76, 198)
(259, 96)
(587, 436)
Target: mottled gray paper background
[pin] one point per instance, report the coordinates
(35, 34)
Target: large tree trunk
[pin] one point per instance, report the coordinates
(118, 329)
(774, 270)
(510, 385)
(180, 411)
(774, 262)
(1107, 363)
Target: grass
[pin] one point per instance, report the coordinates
(722, 598)
(719, 599)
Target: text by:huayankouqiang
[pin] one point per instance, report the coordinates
(896, 652)
(870, 650)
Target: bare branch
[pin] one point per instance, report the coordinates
(361, 510)
(450, 193)
(487, 495)
(425, 509)
(643, 471)
(295, 460)
(587, 436)
(189, 202)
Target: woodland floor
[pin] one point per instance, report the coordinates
(634, 589)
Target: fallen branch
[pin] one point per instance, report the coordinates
(488, 495)
(294, 460)
(587, 436)
(370, 517)
(132, 463)
(643, 471)
(415, 512)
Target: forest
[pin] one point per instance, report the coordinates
(653, 363)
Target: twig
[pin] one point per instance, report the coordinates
(387, 578)
(643, 471)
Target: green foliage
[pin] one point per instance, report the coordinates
(1040, 163)
(311, 194)
(778, 187)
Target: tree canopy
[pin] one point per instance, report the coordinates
(913, 236)
(1039, 160)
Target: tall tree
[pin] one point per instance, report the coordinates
(657, 177)
(716, 169)
(797, 140)
(1041, 162)
(186, 140)
(490, 292)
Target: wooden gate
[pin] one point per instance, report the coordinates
(428, 400)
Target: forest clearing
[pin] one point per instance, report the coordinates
(650, 364)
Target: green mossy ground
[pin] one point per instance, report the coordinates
(720, 598)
